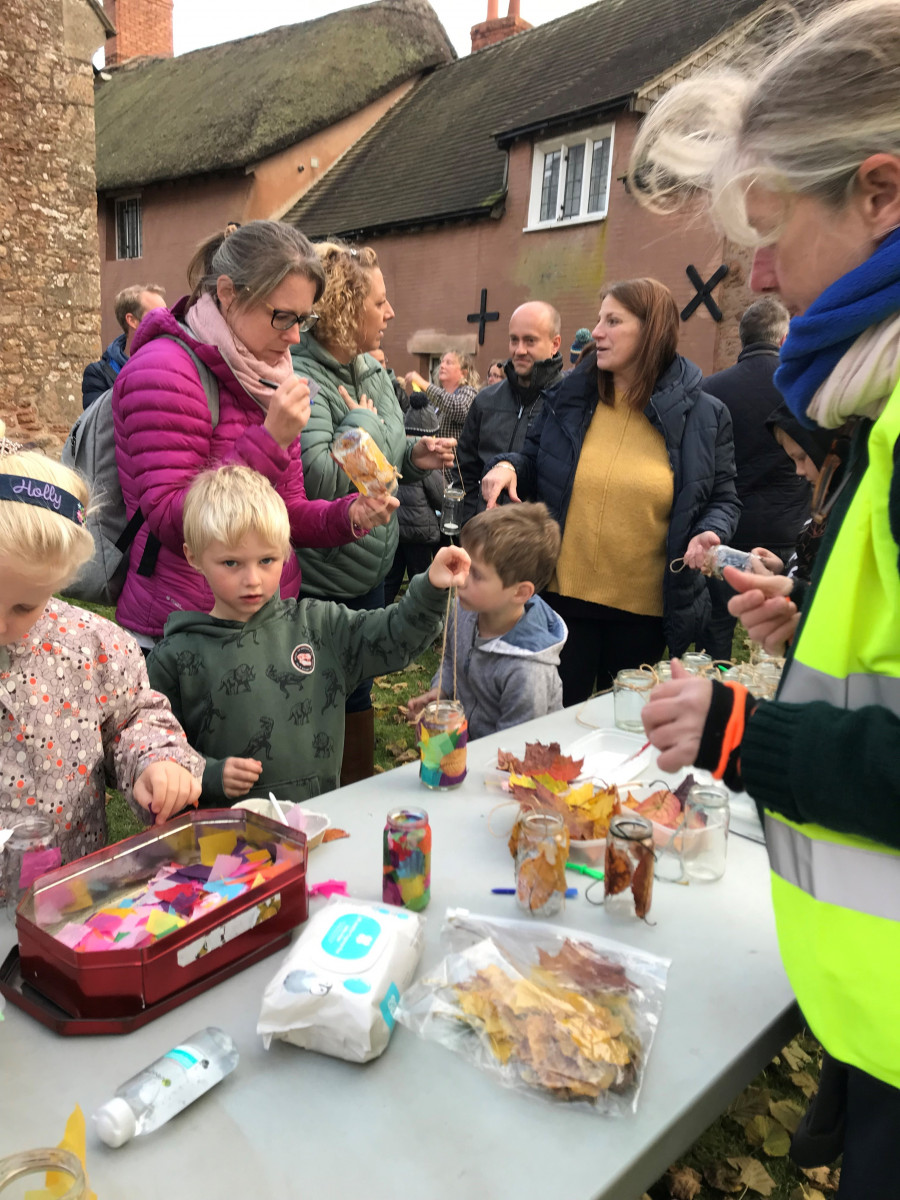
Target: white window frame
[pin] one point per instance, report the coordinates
(582, 137)
(124, 200)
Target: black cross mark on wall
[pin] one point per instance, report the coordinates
(704, 292)
(482, 317)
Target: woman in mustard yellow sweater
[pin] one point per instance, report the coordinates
(635, 461)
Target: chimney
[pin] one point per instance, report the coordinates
(143, 27)
(496, 29)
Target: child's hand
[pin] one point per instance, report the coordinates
(433, 453)
(363, 402)
(417, 703)
(239, 776)
(449, 567)
(288, 411)
(165, 788)
(675, 715)
(764, 606)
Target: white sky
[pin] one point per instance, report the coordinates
(206, 22)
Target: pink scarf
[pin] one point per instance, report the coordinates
(206, 320)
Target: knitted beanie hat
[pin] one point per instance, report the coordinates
(582, 337)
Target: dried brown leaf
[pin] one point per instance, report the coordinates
(758, 1129)
(752, 1174)
(585, 968)
(805, 1082)
(726, 1179)
(806, 1193)
(684, 1182)
(617, 870)
(642, 881)
(795, 1056)
(824, 1177)
(786, 1113)
(752, 1102)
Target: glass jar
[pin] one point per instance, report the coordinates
(442, 732)
(628, 870)
(631, 691)
(451, 509)
(30, 851)
(663, 671)
(33, 1162)
(696, 662)
(406, 874)
(706, 840)
(541, 850)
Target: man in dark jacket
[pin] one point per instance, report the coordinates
(132, 305)
(775, 500)
(501, 414)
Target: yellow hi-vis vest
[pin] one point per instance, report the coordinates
(836, 896)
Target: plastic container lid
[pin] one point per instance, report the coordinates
(114, 1122)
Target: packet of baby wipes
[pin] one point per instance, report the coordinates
(339, 984)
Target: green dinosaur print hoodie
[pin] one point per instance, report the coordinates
(273, 688)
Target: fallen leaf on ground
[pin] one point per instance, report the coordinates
(726, 1179)
(794, 1055)
(786, 1113)
(825, 1177)
(753, 1102)
(805, 1082)
(777, 1142)
(753, 1175)
(684, 1182)
(806, 1193)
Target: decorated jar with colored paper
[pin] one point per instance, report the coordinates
(443, 732)
(407, 858)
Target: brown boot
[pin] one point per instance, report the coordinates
(359, 746)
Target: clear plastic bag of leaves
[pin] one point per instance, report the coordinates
(555, 1012)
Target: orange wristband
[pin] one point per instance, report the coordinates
(734, 730)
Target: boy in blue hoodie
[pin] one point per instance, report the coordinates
(506, 639)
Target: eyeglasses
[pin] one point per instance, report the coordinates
(282, 320)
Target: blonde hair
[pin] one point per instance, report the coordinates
(41, 540)
(348, 281)
(227, 503)
(798, 121)
(520, 541)
(467, 365)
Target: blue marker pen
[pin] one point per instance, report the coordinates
(571, 893)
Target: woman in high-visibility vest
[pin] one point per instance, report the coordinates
(799, 155)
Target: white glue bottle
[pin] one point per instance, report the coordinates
(163, 1089)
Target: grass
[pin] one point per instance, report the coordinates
(755, 1127)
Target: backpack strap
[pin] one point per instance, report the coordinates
(210, 384)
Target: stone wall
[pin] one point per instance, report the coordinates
(49, 253)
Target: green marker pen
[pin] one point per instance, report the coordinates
(592, 871)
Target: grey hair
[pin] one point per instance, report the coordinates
(256, 257)
(798, 121)
(766, 320)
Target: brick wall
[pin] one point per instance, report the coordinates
(49, 268)
(435, 276)
(142, 27)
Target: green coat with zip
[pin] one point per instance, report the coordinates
(342, 572)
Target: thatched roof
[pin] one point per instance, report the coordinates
(224, 107)
(443, 141)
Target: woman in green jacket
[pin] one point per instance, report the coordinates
(355, 391)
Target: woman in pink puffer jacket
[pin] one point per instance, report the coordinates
(253, 293)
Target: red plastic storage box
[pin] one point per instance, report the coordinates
(116, 990)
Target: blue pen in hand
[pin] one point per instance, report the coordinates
(571, 893)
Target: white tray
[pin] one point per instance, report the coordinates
(607, 755)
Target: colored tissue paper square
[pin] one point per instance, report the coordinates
(258, 856)
(160, 923)
(197, 871)
(213, 844)
(227, 891)
(104, 923)
(36, 863)
(58, 1183)
(225, 867)
(71, 935)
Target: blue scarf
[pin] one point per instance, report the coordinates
(819, 339)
